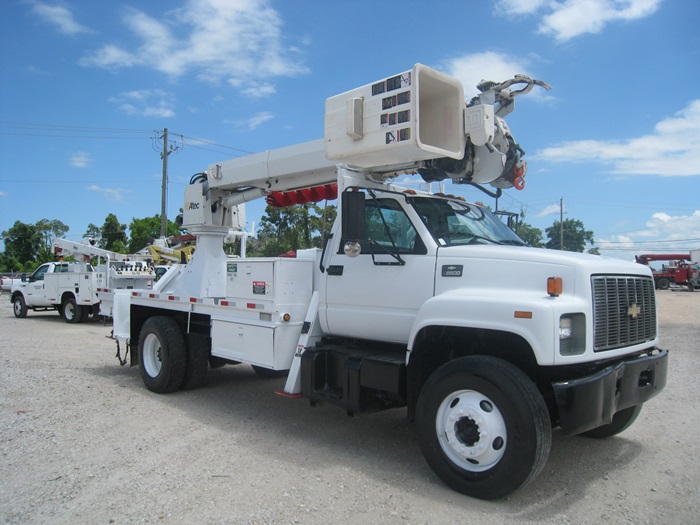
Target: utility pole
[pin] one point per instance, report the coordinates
(561, 223)
(164, 188)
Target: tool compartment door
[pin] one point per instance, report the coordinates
(243, 342)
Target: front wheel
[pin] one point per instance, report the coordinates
(19, 307)
(621, 421)
(162, 355)
(483, 427)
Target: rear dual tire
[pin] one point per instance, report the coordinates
(167, 362)
(72, 312)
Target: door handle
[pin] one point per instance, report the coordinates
(335, 269)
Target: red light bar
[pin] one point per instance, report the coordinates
(281, 199)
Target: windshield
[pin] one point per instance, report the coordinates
(457, 223)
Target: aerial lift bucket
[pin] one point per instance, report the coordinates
(416, 115)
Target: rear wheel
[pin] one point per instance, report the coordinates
(483, 427)
(162, 354)
(621, 421)
(72, 312)
(663, 284)
(19, 306)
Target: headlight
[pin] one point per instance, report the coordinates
(566, 327)
(572, 334)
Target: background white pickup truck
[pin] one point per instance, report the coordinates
(69, 287)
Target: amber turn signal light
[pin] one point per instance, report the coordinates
(554, 286)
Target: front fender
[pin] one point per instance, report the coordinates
(533, 317)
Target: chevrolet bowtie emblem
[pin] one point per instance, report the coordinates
(633, 310)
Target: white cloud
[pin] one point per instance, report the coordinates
(662, 233)
(549, 210)
(111, 56)
(115, 194)
(60, 17)
(259, 89)
(473, 68)
(253, 122)
(35, 70)
(672, 149)
(519, 7)
(567, 19)
(146, 102)
(239, 41)
(259, 119)
(80, 159)
(3, 194)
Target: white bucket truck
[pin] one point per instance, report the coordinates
(395, 311)
(78, 289)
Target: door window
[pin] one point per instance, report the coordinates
(39, 273)
(389, 227)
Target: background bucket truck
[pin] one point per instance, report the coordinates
(74, 288)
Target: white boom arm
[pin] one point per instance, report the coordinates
(415, 122)
(88, 251)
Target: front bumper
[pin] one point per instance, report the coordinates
(592, 401)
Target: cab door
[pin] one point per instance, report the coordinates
(35, 287)
(376, 294)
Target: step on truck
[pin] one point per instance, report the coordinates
(394, 311)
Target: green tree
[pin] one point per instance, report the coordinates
(291, 228)
(49, 230)
(142, 232)
(10, 264)
(575, 236)
(531, 235)
(112, 233)
(93, 232)
(22, 242)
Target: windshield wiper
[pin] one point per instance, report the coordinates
(475, 237)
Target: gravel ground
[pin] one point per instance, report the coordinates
(83, 441)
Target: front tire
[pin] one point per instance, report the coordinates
(483, 427)
(621, 421)
(72, 312)
(162, 355)
(19, 307)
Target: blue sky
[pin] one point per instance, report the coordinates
(86, 89)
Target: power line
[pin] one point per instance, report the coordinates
(212, 143)
(56, 127)
(68, 136)
(653, 242)
(62, 181)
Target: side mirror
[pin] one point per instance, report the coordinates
(24, 277)
(353, 215)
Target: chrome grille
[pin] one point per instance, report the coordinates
(624, 311)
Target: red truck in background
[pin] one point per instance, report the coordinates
(677, 269)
